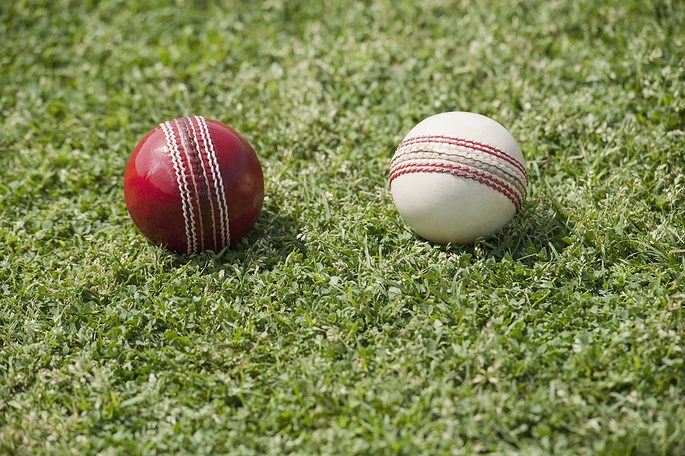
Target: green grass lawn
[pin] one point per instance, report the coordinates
(331, 328)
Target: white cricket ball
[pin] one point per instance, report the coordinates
(457, 177)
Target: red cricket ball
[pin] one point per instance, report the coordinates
(193, 184)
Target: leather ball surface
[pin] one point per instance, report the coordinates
(457, 177)
(193, 184)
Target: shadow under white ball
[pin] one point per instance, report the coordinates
(457, 177)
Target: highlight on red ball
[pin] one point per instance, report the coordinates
(194, 184)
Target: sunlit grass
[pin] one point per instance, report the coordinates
(331, 328)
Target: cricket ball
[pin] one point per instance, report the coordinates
(193, 184)
(457, 177)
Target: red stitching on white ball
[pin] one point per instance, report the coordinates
(482, 147)
(460, 171)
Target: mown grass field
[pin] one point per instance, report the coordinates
(331, 328)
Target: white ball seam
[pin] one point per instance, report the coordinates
(503, 173)
(433, 140)
(461, 171)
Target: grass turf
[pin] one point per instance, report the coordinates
(331, 328)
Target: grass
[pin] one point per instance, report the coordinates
(331, 328)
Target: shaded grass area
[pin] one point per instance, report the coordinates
(331, 328)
